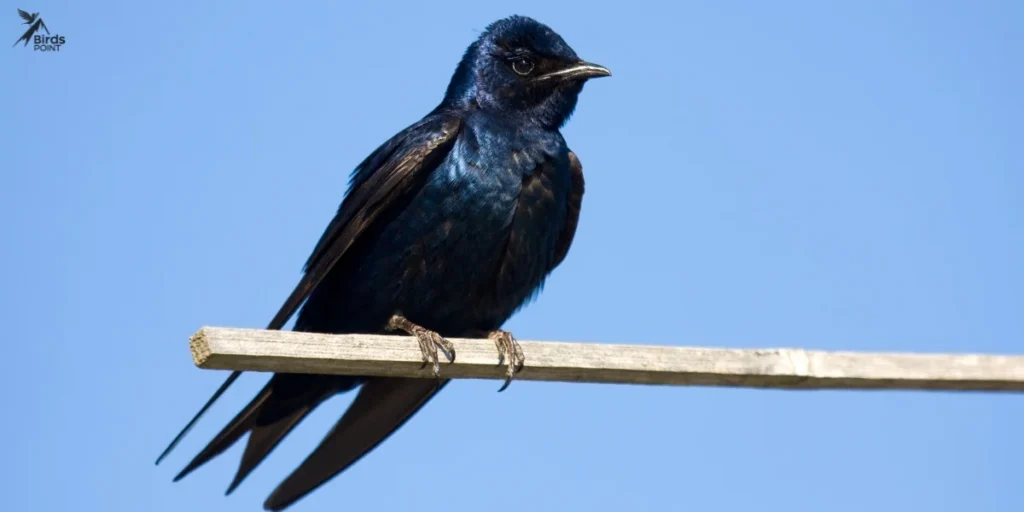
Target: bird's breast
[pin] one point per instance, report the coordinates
(488, 221)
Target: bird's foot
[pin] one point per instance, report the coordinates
(429, 341)
(510, 351)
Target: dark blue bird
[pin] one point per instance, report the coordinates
(447, 229)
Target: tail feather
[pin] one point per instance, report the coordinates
(270, 416)
(264, 438)
(381, 407)
(242, 423)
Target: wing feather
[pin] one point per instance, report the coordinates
(400, 172)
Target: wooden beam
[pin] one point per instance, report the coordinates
(788, 368)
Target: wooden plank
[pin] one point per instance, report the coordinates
(787, 368)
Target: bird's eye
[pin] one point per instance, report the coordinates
(522, 66)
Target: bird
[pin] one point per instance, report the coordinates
(35, 21)
(446, 230)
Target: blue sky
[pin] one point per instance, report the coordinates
(823, 175)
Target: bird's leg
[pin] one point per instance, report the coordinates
(429, 341)
(508, 349)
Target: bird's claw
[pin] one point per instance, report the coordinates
(429, 342)
(508, 350)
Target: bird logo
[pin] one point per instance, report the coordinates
(34, 22)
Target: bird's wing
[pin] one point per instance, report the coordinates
(572, 216)
(384, 180)
(381, 407)
(25, 16)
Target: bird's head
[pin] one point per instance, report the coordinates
(523, 69)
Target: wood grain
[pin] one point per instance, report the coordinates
(786, 368)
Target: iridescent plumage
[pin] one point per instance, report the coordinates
(452, 225)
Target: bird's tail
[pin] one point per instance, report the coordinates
(268, 418)
(381, 407)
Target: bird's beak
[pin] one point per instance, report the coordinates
(579, 71)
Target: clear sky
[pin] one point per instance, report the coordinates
(842, 176)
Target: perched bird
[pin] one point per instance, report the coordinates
(447, 229)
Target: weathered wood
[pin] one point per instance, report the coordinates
(790, 368)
